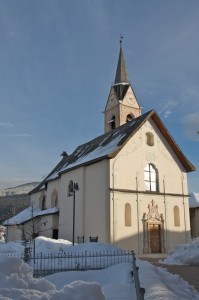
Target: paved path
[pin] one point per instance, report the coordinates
(188, 273)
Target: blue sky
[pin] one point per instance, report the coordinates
(57, 63)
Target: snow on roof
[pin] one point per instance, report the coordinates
(107, 145)
(103, 146)
(28, 214)
(101, 151)
(194, 200)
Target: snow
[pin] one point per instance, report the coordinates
(113, 283)
(20, 189)
(185, 254)
(99, 152)
(28, 214)
(194, 200)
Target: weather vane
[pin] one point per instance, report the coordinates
(121, 37)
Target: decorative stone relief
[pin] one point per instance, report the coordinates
(153, 214)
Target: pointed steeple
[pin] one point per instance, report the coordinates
(121, 73)
(122, 105)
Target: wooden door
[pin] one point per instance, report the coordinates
(155, 238)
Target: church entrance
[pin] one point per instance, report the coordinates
(153, 230)
(155, 238)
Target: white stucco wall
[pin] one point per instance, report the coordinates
(66, 205)
(91, 207)
(97, 208)
(127, 176)
(13, 233)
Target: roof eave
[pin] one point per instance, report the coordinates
(189, 167)
(23, 222)
(90, 162)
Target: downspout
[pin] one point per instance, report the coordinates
(165, 212)
(113, 198)
(185, 225)
(113, 187)
(138, 214)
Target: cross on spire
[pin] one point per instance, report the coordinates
(121, 37)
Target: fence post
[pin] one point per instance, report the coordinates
(139, 290)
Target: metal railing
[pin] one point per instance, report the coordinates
(45, 264)
(139, 290)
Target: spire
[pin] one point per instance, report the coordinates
(121, 73)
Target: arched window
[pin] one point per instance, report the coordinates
(151, 178)
(176, 213)
(54, 199)
(127, 214)
(43, 203)
(150, 139)
(113, 122)
(129, 117)
(70, 188)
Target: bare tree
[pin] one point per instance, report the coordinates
(29, 231)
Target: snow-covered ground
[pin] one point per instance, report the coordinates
(185, 254)
(20, 189)
(17, 282)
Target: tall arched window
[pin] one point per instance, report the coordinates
(127, 214)
(54, 199)
(43, 203)
(151, 178)
(176, 213)
(70, 188)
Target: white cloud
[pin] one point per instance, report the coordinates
(191, 126)
(6, 124)
(19, 135)
(166, 109)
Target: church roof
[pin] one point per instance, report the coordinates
(29, 214)
(52, 175)
(110, 143)
(107, 146)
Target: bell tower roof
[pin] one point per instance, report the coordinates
(122, 105)
(121, 72)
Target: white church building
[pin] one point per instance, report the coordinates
(127, 186)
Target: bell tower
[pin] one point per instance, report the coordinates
(122, 105)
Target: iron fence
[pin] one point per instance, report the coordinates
(46, 264)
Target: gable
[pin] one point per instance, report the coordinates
(189, 167)
(109, 145)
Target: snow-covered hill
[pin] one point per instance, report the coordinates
(21, 189)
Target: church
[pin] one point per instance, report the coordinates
(127, 187)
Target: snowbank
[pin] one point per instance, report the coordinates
(17, 282)
(186, 254)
